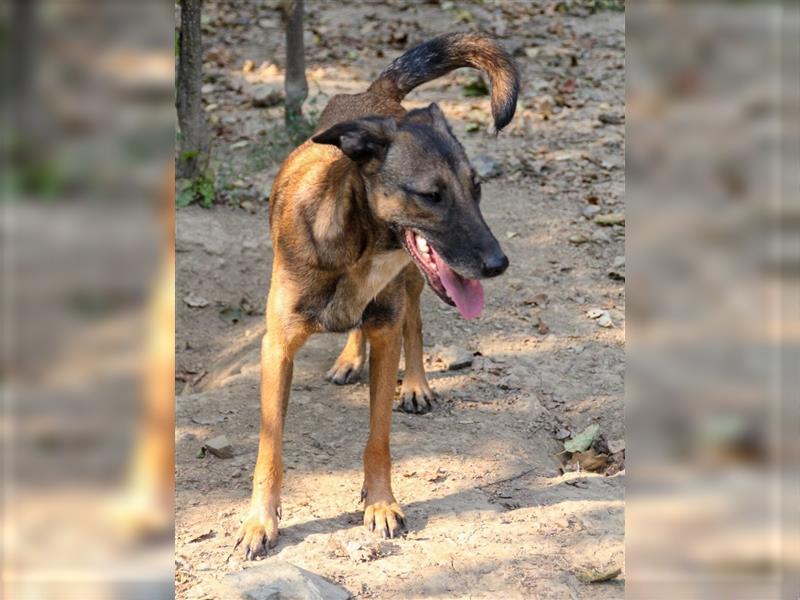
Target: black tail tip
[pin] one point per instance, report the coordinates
(503, 111)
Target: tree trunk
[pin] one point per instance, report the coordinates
(193, 146)
(24, 46)
(295, 83)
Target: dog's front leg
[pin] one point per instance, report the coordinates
(381, 512)
(260, 529)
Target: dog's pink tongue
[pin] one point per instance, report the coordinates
(466, 293)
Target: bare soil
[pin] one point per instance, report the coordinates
(494, 508)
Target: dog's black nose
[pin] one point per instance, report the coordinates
(494, 265)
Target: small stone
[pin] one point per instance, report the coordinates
(615, 446)
(605, 321)
(596, 313)
(219, 447)
(563, 434)
(578, 239)
(590, 210)
(486, 167)
(265, 95)
(240, 144)
(248, 66)
(510, 382)
(273, 579)
(611, 118)
(514, 47)
(600, 236)
(539, 299)
(619, 262)
(455, 357)
(207, 88)
(541, 327)
(269, 23)
(363, 552)
(194, 300)
(610, 219)
(248, 206)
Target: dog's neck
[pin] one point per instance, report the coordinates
(344, 211)
(344, 219)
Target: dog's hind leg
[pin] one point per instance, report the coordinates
(283, 339)
(381, 511)
(416, 395)
(347, 368)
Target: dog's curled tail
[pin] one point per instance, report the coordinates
(448, 52)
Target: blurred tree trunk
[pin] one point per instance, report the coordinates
(295, 83)
(24, 100)
(193, 146)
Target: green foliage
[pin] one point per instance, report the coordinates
(39, 179)
(476, 87)
(202, 190)
(299, 129)
(583, 440)
(615, 5)
(280, 141)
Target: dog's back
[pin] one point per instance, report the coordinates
(426, 62)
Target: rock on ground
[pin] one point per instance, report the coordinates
(486, 167)
(455, 357)
(279, 580)
(219, 447)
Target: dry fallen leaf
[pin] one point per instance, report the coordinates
(593, 575)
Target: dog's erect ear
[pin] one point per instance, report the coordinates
(430, 115)
(362, 140)
(436, 113)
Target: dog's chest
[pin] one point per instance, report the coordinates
(382, 268)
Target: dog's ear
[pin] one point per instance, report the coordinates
(362, 140)
(431, 115)
(436, 113)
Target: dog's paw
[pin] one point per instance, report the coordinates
(258, 534)
(385, 518)
(417, 399)
(345, 371)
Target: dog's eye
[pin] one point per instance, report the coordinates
(432, 198)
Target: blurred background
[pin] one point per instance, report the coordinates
(87, 146)
(712, 249)
(712, 341)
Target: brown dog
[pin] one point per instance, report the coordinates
(377, 195)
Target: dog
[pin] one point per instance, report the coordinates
(375, 203)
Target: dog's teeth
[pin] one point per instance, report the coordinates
(422, 245)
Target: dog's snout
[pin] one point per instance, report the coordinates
(494, 265)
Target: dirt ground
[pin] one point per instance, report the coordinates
(494, 510)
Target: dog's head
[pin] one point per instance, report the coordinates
(419, 181)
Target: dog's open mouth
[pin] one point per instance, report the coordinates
(465, 294)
